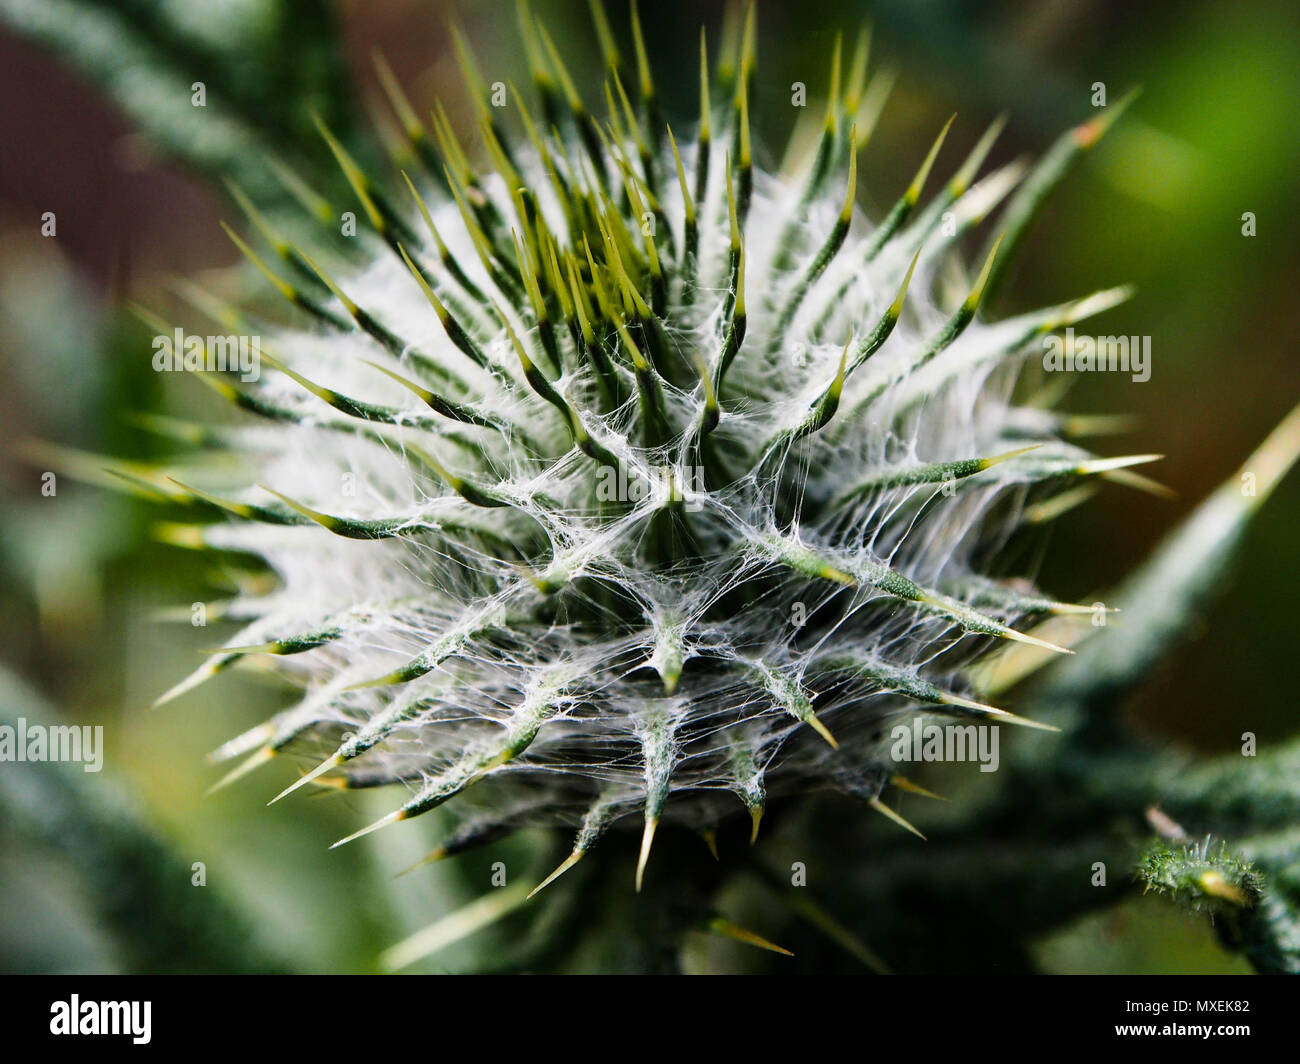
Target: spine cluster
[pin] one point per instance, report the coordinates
(622, 477)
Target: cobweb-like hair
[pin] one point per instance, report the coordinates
(618, 478)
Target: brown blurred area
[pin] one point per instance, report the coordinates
(122, 211)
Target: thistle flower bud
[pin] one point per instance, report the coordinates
(623, 480)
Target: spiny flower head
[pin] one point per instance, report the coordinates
(620, 480)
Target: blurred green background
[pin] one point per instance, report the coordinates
(1215, 133)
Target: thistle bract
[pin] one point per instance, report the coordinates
(623, 481)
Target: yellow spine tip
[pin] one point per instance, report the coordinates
(647, 840)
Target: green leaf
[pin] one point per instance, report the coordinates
(137, 888)
(1167, 597)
